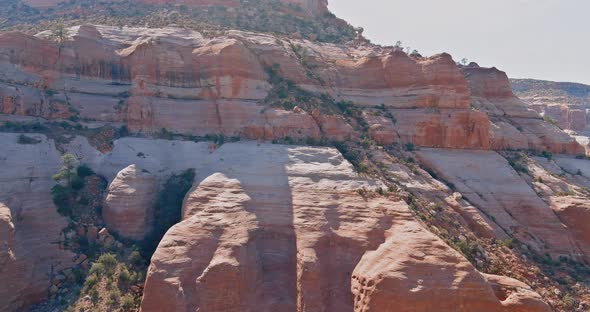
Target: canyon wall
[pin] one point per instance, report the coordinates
(291, 221)
(258, 86)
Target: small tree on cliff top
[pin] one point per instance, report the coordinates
(67, 171)
(59, 32)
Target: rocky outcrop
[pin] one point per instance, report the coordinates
(128, 208)
(415, 271)
(567, 117)
(444, 128)
(513, 124)
(277, 228)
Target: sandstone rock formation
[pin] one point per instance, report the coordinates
(488, 181)
(563, 185)
(269, 227)
(128, 208)
(30, 226)
(414, 271)
(272, 228)
(513, 124)
(213, 85)
(218, 86)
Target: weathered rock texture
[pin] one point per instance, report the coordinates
(513, 124)
(180, 80)
(277, 228)
(488, 181)
(215, 85)
(128, 208)
(30, 226)
(563, 183)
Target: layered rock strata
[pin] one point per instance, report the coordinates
(488, 181)
(513, 124)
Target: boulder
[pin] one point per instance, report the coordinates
(128, 208)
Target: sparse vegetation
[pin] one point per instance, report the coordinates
(410, 147)
(60, 131)
(110, 283)
(69, 195)
(23, 139)
(352, 156)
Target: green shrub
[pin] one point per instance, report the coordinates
(84, 171)
(114, 296)
(94, 294)
(124, 275)
(346, 107)
(127, 302)
(547, 155)
(77, 183)
(518, 167)
(410, 147)
(60, 196)
(67, 170)
(352, 156)
(467, 248)
(97, 269)
(135, 258)
(90, 282)
(109, 261)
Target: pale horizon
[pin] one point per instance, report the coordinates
(537, 39)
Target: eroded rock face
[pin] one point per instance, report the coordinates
(444, 128)
(184, 82)
(128, 208)
(514, 124)
(415, 271)
(488, 181)
(563, 184)
(30, 226)
(215, 86)
(277, 228)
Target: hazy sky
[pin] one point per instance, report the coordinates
(541, 39)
